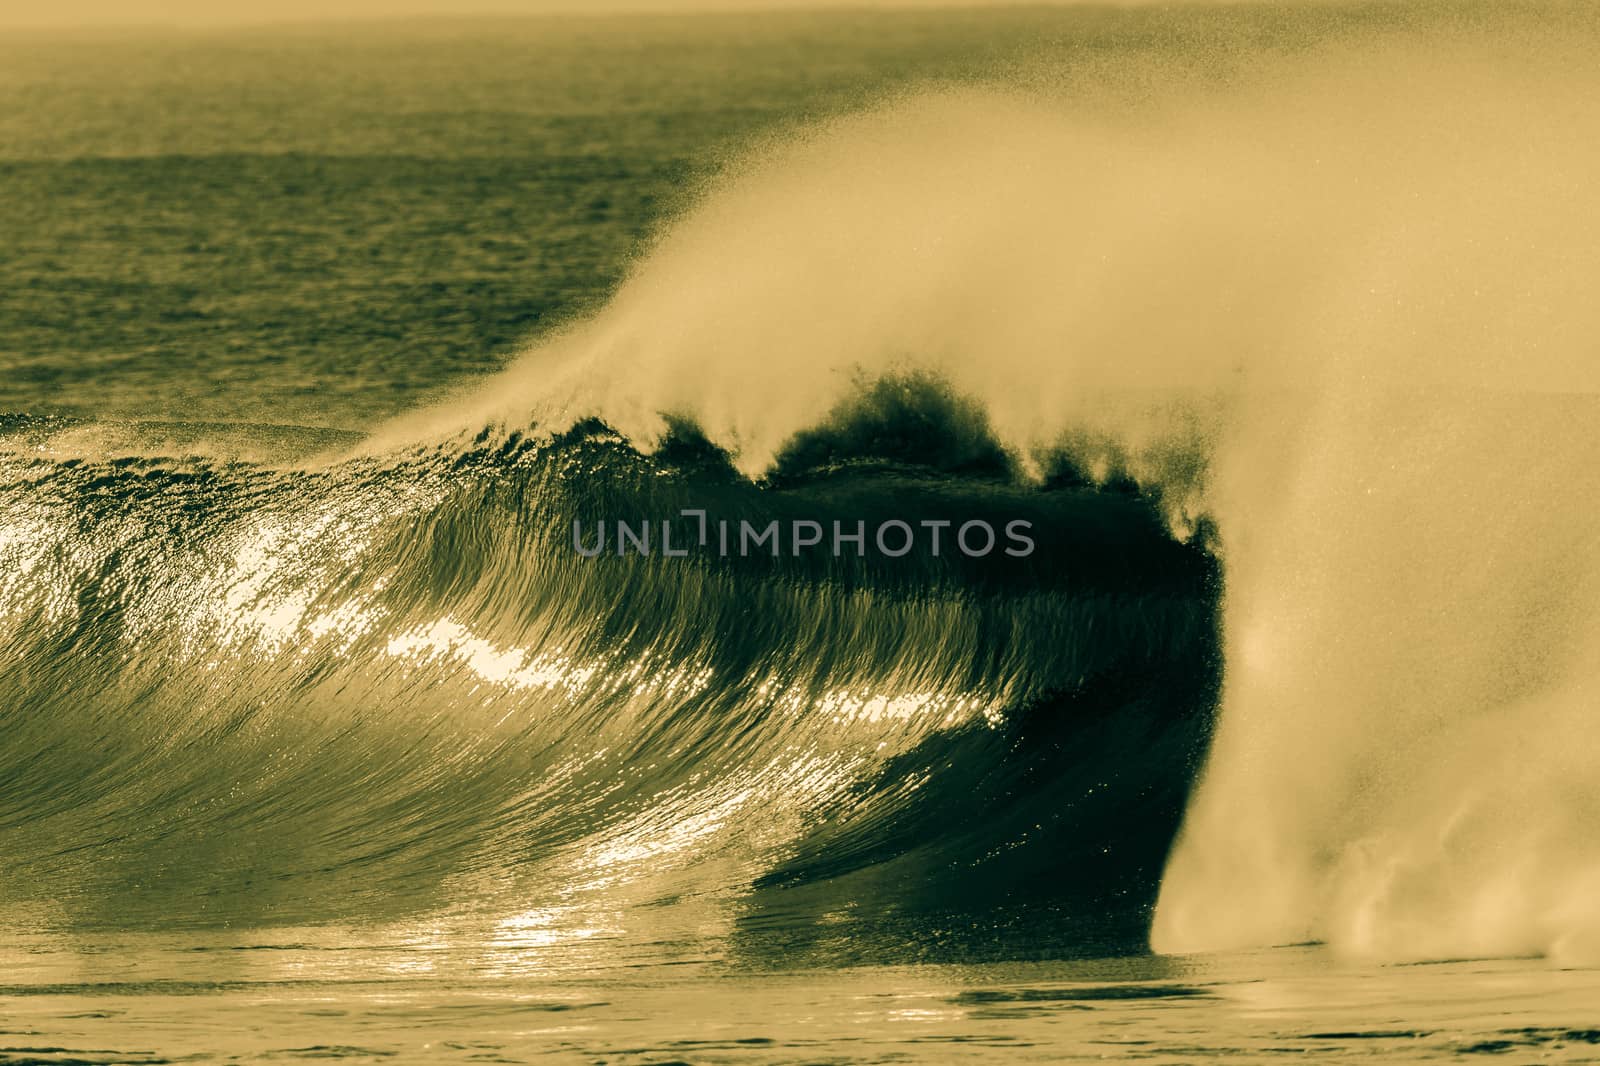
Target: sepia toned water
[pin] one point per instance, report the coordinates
(317, 741)
(323, 996)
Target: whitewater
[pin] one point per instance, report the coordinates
(1345, 310)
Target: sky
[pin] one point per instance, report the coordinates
(108, 13)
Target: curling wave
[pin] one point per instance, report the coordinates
(286, 693)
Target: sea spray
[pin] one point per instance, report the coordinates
(1364, 288)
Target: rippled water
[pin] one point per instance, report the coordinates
(311, 994)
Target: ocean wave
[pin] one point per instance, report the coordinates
(323, 688)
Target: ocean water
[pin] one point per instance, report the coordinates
(326, 226)
(346, 998)
(324, 349)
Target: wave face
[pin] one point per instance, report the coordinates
(273, 693)
(1362, 278)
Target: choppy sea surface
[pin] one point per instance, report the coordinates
(326, 226)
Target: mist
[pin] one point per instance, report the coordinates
(1367, 277)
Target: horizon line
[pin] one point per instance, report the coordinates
(203, 20)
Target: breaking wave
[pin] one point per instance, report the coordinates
(1329, 321)
(287, 693)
